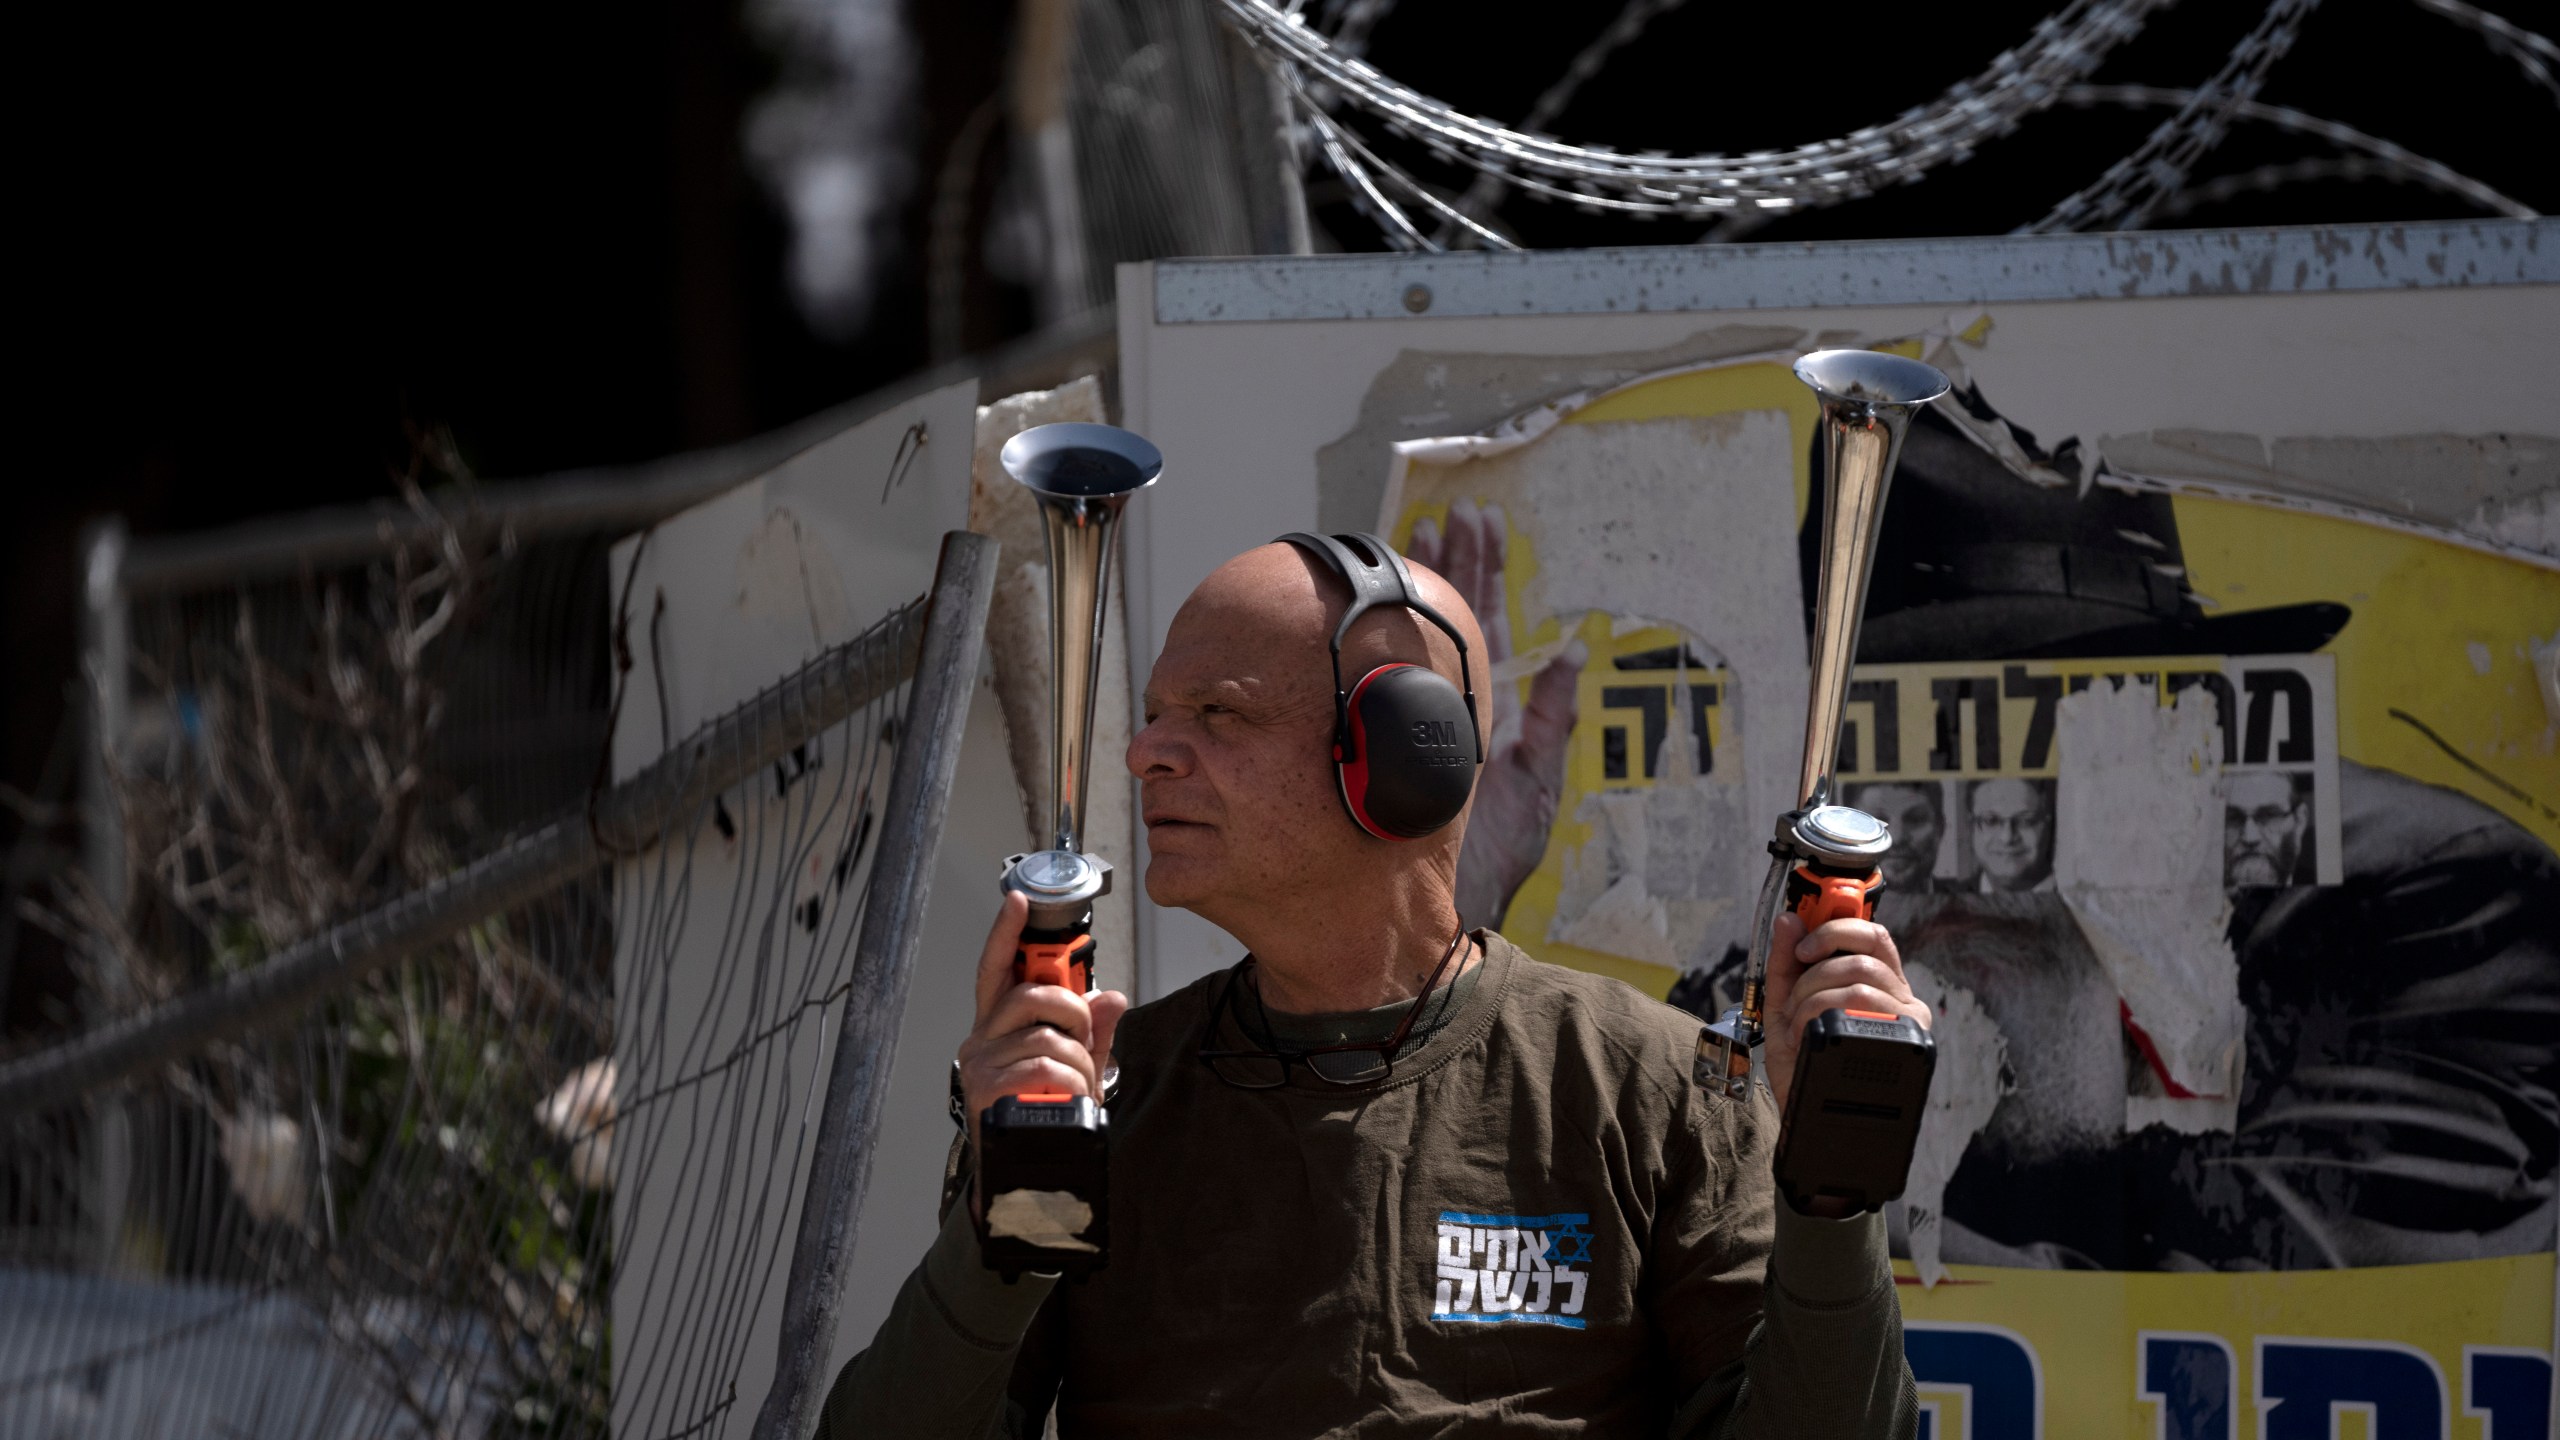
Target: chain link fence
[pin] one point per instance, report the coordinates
(338, 1144)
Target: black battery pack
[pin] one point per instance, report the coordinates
(1853, 1111)
(1043, 1167)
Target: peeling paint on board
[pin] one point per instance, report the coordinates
(1426, 393)
(1972, 1076)
(2527, 522)
(2138, 860)
(2496, 490)
(1796, 275)
(1652, 523)
(1655, 881)
(1709, 556)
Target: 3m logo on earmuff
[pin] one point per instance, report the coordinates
(1404, 741)
(1437, 745)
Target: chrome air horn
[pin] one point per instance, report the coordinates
(1847, 1118)
(1041, 1165)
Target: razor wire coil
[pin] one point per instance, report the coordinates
(1326, 77)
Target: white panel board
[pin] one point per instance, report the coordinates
(723, 601)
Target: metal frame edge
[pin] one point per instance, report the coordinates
(1821, 274)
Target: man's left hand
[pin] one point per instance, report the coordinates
(1844, 965)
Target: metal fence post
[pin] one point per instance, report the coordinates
(883, 961)
(106, 675)
(106, 678)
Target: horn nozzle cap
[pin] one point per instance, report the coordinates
(1843, 835)
(1080, 461)
(1871, 377)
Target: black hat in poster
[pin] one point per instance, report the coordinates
(1980, 562)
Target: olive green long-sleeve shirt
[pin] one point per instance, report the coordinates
(1539, 1226)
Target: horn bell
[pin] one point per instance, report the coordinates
(1867, 398)
(1082, 475)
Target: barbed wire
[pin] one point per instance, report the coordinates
(2382, 158)
(2276, 177)
(1355, 162)
(1352, 20)
(2064, 49)
(1325, 73)
(2124, 197)
(2533, 54)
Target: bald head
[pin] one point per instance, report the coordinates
(1280, 595)
(1235, 765)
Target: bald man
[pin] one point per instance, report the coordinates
(1504, 1209)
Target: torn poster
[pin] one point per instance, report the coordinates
(1618, 839)
(1972, 1075)
(2234, 820)
(2155, 913)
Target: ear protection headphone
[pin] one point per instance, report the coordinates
(1405, 745)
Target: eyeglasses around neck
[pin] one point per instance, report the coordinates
(1365, 1062)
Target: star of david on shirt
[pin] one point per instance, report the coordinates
(1572, 1244)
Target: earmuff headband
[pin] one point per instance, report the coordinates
(1376, 582)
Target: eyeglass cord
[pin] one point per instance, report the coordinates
(1444, 999)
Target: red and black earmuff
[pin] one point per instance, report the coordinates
(1405, 743)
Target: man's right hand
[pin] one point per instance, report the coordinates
(1031, 1037)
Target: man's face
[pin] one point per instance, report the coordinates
(1236, 781)
(1233, 763)
(2262, 822)
(2012, 833)
(1917, 829)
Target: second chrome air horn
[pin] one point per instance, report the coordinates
(1853, 1108)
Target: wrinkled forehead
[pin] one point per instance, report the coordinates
(1264, 624)
(1201, 655)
